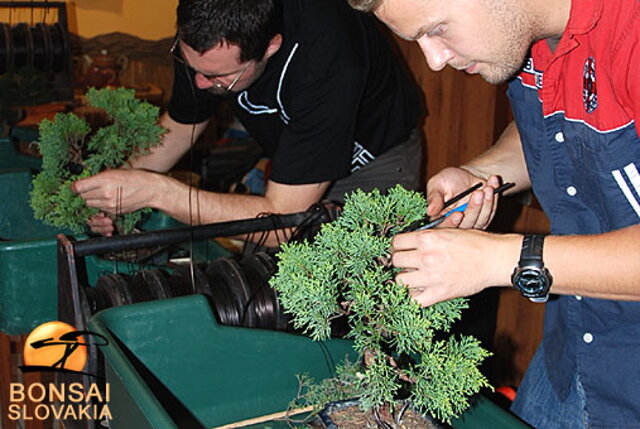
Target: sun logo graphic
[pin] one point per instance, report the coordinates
(56, 345)
(59, 347)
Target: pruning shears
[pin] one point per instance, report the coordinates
(425, 223)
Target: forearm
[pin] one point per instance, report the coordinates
(194, 206)
(599, 266)
(505, 158)
(176, 141)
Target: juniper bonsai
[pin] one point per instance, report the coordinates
(72, 149)
(404, 350)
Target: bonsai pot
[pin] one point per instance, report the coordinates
(348, 415)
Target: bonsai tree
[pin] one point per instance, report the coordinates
(72, 149)
(406, 352)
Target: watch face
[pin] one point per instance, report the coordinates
(531, 282)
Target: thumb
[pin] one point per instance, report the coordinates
(435, 199)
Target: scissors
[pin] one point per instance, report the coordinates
(421, 226)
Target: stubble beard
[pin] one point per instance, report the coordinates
(517, 34)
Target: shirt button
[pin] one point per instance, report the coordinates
(587, 338)
(578, 297)
(559, 137)
(572, 191)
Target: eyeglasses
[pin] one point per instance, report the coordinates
(213, 78)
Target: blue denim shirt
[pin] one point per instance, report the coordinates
(585, 175)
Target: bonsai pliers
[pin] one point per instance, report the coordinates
(425, 223)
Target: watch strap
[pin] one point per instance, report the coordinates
(531, 251)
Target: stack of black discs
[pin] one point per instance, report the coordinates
(185, 282)
(113, 290)
(257, 269)
(150, 285)
(59, 47)
(230, 293)
(237, 289)
(42, 52)
(42, 46)
(110, 290)
(22, 45)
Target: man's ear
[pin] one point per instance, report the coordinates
(274, 46)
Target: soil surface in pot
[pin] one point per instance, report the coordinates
(353, 417)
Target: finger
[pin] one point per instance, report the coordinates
(415, 291)
(493, 181)
(96, 217)
(426, 297)
(490, 203)
(105, 205)
(101, 224)
(436, 202)
(405, 241)
(95, 194)
(412, 278)
(487, 209)
(98, 203)
(452, 221)
(99, 220)
(473, 210)
(406, 260)
(105, 231)
(83, 185)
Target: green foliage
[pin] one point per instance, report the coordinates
(72, 150)
(345, 385)
(346, 270)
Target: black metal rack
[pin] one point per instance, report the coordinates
(73, 281)
(71, 253)
(44, 47)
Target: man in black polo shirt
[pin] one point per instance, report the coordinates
(315, 84)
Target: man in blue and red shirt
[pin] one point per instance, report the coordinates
(574, 70)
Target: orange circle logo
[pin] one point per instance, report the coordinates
(55, 345)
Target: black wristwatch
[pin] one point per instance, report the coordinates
(530, 277)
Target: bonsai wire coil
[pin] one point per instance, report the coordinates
(238, 301)
(237, 289)
(43, 46)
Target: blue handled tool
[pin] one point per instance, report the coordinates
(462, 207)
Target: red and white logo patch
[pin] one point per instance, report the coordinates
(589, 89)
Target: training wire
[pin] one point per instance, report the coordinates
(190, 176)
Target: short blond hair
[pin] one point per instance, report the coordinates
(365, 5)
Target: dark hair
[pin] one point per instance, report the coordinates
(250, 24)
(365, 5)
